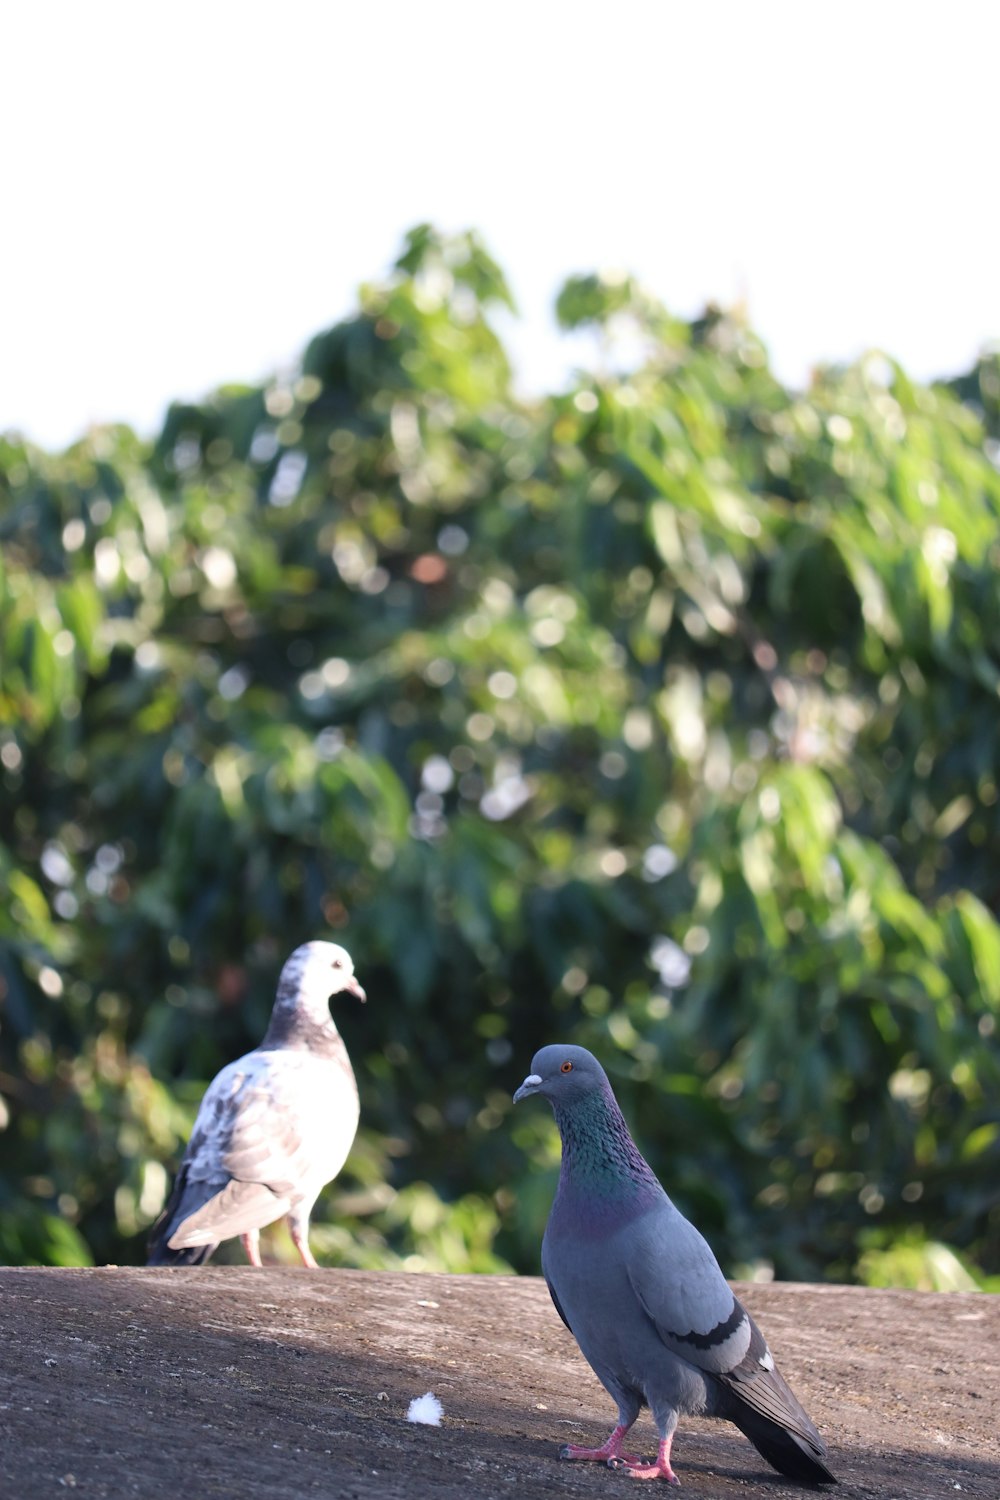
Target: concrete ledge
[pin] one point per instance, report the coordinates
(279, 1384)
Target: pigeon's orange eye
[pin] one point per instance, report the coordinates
(567, 1067)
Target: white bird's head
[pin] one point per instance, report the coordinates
(316, 972)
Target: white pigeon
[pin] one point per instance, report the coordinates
(274, 1127)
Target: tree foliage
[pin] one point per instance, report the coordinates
(660, 715)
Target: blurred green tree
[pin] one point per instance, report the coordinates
(660, 714)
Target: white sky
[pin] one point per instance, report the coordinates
(190, 191)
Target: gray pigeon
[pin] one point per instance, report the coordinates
(643, 1295)
(273, 1128)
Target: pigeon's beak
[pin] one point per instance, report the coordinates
(355, 989)
(530, 1086)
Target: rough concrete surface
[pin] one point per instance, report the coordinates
(226, 1381)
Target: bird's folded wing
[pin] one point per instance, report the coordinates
(678, 1281)
(246, 1151)
(680, 1285)
(239, 1208)
(266, 1140)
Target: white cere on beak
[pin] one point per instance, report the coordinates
(528, 1087)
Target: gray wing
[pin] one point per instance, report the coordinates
(680, 1285)
(247, 1159)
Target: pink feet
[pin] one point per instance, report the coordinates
(307, 1258)
(251, 1245)
(609, 1453)
(300, 1239)
(636, 1470)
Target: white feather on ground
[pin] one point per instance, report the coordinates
(426, 1409)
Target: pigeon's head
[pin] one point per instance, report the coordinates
(562, 1075)
(315, 973)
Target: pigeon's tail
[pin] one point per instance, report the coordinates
(160, 1254)
(762, 1406)
(790, 1453)
(158, 1251)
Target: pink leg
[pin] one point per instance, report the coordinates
(660, 1470)
(300, 1239)
(608, 1453)
(251, 1244)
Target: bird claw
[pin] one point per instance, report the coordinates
(635, 1468)
(598, 1455)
